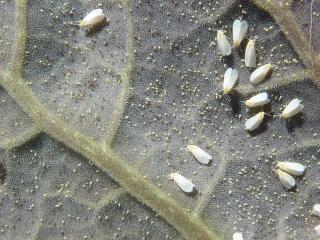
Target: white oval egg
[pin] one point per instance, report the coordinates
(250, 54)
(93, 19)
(184, 183)
(316, 210)
(229, 80)
(239, 30)
(199, 154)
(258, 75)
(295, 169)
(237, 236)
(286, 179)
(294, 107)
(223, 44)
(258, 100)
(254, 122)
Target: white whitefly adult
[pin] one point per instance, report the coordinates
(286, 179)
(316, 210)
(239, 30)
(294, 107)
(258, 100)
(258, 75)
(229, 80)
(93, 19)
(223, 44)
(199, 154)
(317, 229)
(237, 236)
(184, 183)
(294, 168)
(250, 54)
(254, 122)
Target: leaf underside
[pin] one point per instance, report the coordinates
(93, 124)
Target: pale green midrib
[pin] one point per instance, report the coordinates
(104, 158)
(21, 138)
(190, 227)
(295, 77)
(294, 34)
(111, 197)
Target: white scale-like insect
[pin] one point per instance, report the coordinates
(237, 236)
(250, 54)
(258, 100)
(229, 80)
(184, 183)
(286, 179)
(93, 20)
(254, 122)
(223, 44)
(199, 154)
(295, 169)
(316, 210)
(317, 229)
(294, 107)
(239, 30)
(258, 75)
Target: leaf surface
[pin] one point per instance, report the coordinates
(106, 117)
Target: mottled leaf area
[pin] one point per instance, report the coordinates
(93, 124)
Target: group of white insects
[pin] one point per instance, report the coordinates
(239, 30)
(285, 170)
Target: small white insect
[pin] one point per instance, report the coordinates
(229, 80)
(317, 229)
(316, 210)
(199, 154)
(250, 54)
(294, 107)
(239, 30)
(184, 183)
(258, 100)
(237, 236)
(254, 122)
(223, 44)
(295, 169)
(286, 179)
(258, 75)
(93, 19)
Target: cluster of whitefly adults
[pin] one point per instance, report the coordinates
(285, 170)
